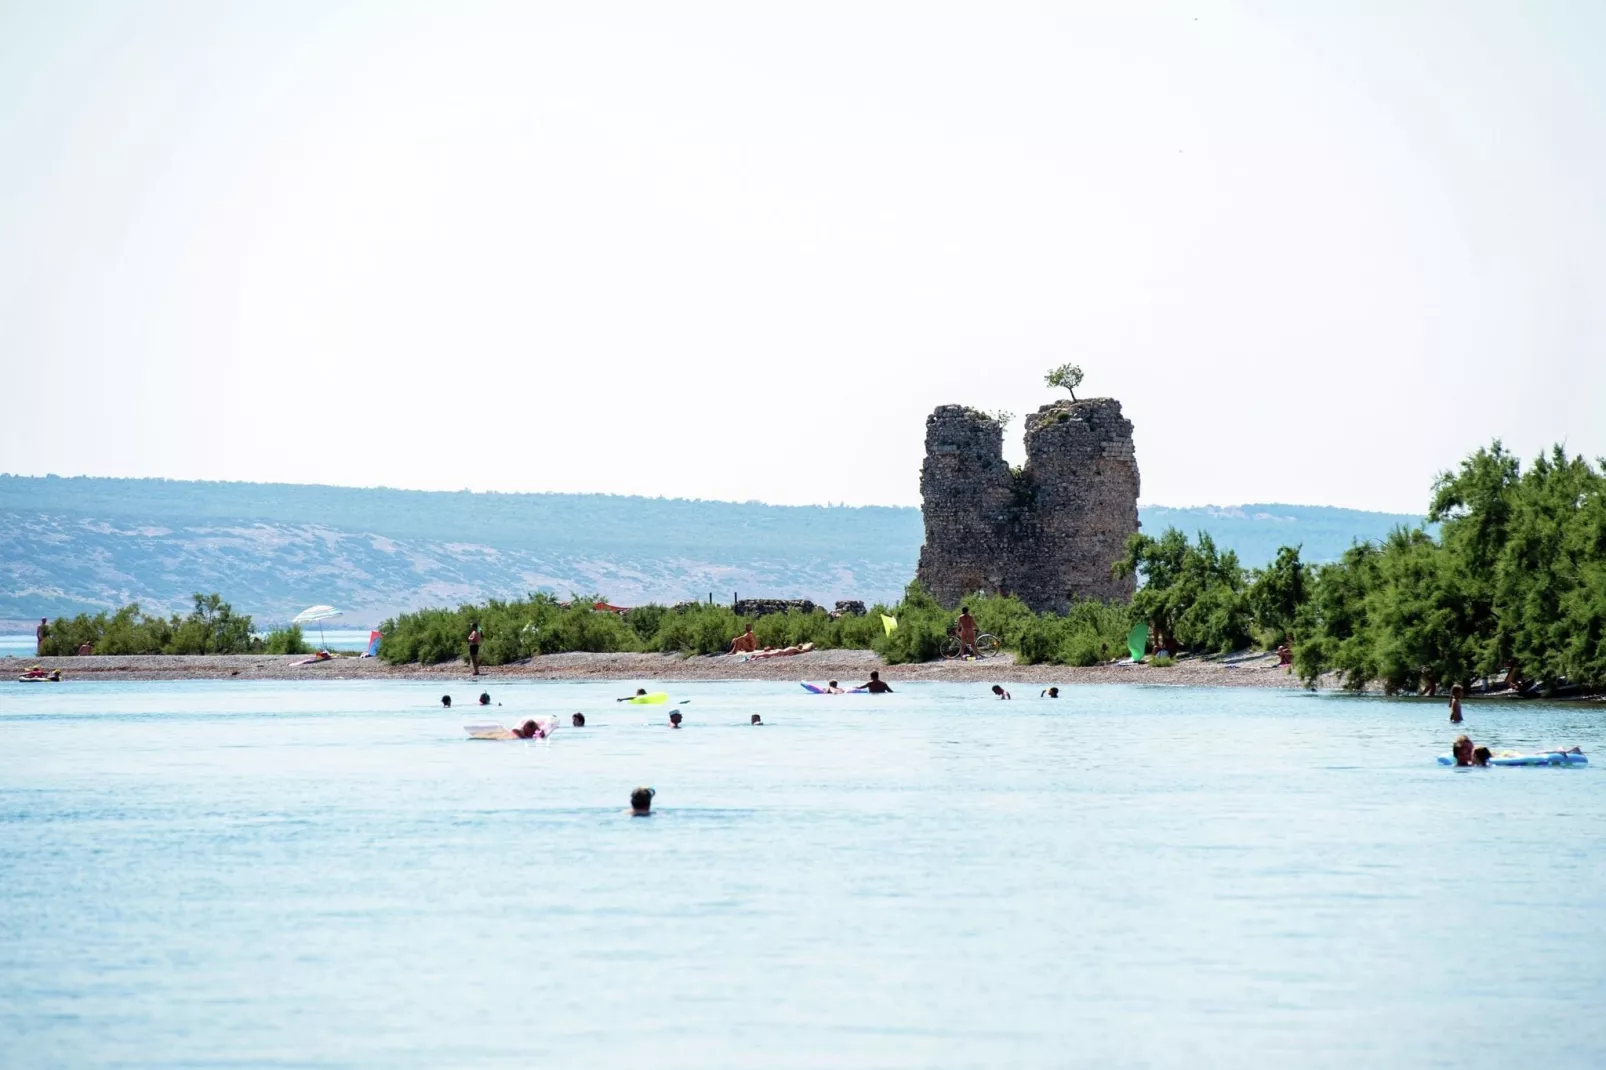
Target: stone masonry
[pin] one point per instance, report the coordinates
(1048, 533)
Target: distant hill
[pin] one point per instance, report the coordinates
(85, 543)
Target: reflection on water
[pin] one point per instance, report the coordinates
(331, 873)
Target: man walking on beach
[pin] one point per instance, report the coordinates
(474, 646)
(40, 634)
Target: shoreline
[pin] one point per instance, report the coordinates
(848, 666)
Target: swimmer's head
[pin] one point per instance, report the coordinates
(674, 719)
(875, 674)
(1053, 692)
(641, 690)
(997, 690)
(446, 700)
(641, 800)
(578, 720)
(528, 729)
(1481, 756)
(757, 719)
(832, 683)
(1462, 749)
(485, 698)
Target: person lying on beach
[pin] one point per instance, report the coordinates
(783, 652)
(875, 685)
(639, 692)
(322, 655)
(1000, 692)
(745, 643)
(641, 802)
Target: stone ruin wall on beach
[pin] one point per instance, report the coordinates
(1048, 533)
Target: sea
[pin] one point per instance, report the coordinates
(331, 874)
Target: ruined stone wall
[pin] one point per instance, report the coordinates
(1049, 533)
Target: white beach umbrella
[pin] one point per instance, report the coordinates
(319, 614)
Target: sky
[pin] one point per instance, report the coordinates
(1320, 252)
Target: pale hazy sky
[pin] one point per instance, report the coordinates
(1319, 251)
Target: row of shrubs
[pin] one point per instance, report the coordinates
(540, 624)
(211, 627)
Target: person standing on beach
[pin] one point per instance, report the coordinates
(474, 646)
(40, 634)
(967, 633)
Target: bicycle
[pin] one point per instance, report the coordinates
(986, 646)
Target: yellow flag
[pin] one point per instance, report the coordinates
(889, 623)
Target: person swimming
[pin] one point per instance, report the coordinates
(446, 700)
(1000, 692)
(1462, 750)
(674, 719)
(875, 685)
(1052, 692)
(833, 688)
(1455, 704)
(1481, 756)
(578, 720)
(756, 719)
(485, 698)
(639, 692)
(532, 730)
(641, 802)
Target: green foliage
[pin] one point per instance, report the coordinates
(1193, 597)
(210, 628)
(1162, 661)
(286, 641)
(1065, 377)
(1090, 632)
(1277, 591)
(1517, 577)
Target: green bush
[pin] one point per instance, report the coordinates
(285, 641)
(212, 627)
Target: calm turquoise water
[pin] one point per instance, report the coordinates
(328, 874)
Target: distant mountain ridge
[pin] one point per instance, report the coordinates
(78, 544)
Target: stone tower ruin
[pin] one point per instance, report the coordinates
(1047, 533)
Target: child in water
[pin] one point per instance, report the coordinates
(641, 802)
(1455, 704)
(1000, 692)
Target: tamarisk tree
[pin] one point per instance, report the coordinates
(1066, 376)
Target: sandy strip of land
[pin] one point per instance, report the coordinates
(847, 666)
